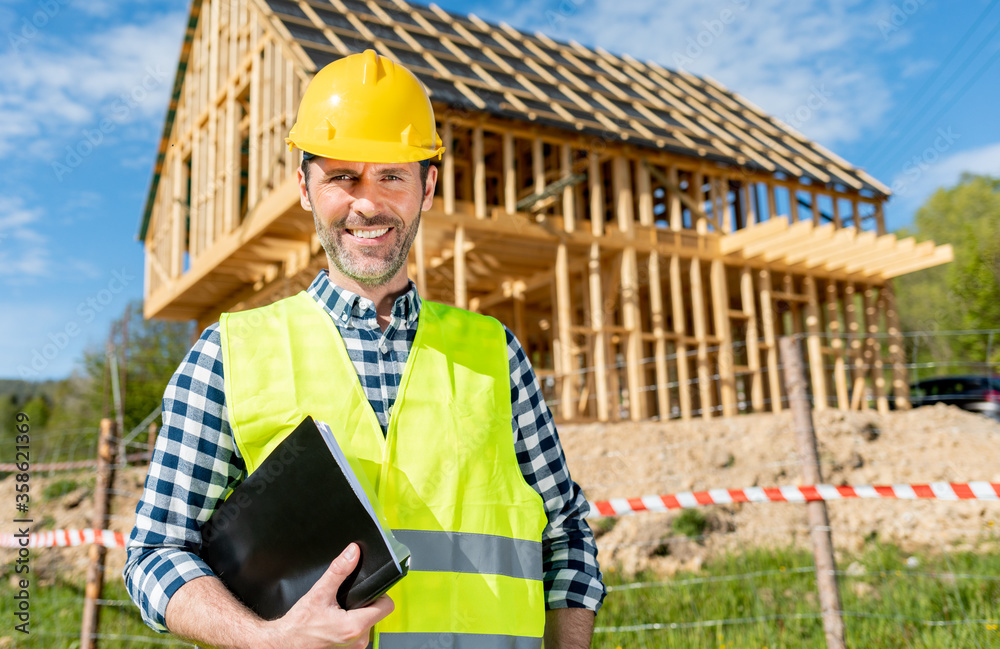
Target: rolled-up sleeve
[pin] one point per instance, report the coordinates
(572, 575)
(194, 465)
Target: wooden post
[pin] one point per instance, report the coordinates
(748, 298)
(569, 194)
(897, 356)
(151, 439)
(701, 334)
(723, 331)
(596, 288)
(874, 305)
(106, 447)
(656, 314)
(680, 330)
(767, 322)
(478, 173)
(837, 344)
(819, 522)
(448, 168)
(509, 174)
(420, 253)
(622, 182)
(597, 324)
(855, 343)
(564, 312)
(461, 296)
(815, 345)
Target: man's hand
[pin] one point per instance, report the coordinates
(205, 611)
(317, 621)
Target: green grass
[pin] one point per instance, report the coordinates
(890, 606)
(56, 614)
(889, 609)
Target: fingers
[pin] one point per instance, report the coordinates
(326, 587)
(374, 612)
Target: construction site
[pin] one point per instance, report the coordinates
(645, 233)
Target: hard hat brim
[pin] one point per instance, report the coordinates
(358, 150)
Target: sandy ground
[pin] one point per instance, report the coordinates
(939, 443)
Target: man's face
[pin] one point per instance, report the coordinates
(366, 215)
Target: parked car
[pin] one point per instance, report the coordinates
(975, 393)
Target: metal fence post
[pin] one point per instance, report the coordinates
(819, 523)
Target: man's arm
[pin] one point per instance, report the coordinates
(573, 586)
(194, 465)
(203, 610)
(568, 628)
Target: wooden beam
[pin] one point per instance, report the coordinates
(622, 187)
(748, 297)
(596, 195)
(569, 192)
(814, 344)
(856, 342)
(597, 323)
(680, 330)
(478, 173)
(693, 204)
(420, 254)
(836, 344)
(897, 352)
(873, 307)
(565, 321)
(448, 168)
(723, 330)
(701, 333)
(767, 319)
(509, 174)
(461, 294)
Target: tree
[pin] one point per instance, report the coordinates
(965, 294)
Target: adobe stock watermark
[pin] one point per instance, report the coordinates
(87, 311)
(899, 14)
(28, 29)
(818, 97)
(564, 11)
(712, 30)
(916, 166)
(120, 110)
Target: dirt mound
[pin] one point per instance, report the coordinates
(934, 444)
(939, 443)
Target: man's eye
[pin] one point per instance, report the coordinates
(392, 177)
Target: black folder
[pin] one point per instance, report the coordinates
(280, 529)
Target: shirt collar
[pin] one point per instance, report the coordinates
(344, 305)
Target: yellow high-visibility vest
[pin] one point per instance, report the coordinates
(445, 472)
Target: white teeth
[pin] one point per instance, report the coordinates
(369, 234)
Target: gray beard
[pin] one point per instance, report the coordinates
(372, 272)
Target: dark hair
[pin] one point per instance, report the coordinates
(425, 166)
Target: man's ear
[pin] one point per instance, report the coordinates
(303, 190)
(432, 175)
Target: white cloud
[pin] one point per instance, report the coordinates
(54, 87)
(776, 54)
(924, 174)
(24, 250)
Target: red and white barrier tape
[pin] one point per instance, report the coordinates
(934, 490)
(622, 506)
(64, 538)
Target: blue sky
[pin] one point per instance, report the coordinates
(906, 89)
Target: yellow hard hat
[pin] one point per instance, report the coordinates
(366, 108)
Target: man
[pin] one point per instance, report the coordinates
(496, 529)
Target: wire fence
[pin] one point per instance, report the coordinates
(911, 573)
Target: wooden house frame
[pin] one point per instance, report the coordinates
(646, 233)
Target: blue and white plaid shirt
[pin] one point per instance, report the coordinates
(196, 462)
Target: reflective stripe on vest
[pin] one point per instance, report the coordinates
(446, 472)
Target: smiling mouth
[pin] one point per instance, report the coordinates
(369, 234)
